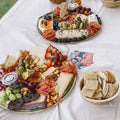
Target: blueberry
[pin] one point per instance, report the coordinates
(55, 40)
(73, 40)
(80, 7)
(83, 37)
(47, 17)
(90, 13)
(99, 20)
(42, 22)
(61, 40)
(45, 23)
(79, 39)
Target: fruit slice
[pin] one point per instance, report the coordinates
(48, 63)
(49, 49)
(47, 55)
(54, 50)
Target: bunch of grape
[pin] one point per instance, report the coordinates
(59, 58)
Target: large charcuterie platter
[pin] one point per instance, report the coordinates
(36, 79)
(69, 23)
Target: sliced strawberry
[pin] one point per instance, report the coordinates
(54, 50)
(47, 55)
(49, 49)
(48, 63)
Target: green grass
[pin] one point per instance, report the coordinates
(5, 5)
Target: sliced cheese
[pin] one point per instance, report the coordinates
(62, 82)
(63, 10)
(48, 71)
(38, 51)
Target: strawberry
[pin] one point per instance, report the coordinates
(49, 49)
(47, 55)
(54, 50)
(48, 63)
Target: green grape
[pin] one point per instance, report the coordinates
(3, 97)
(12, 97)
(16, 91)
(18, 96)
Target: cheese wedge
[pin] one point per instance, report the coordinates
(38, 51)
(62, 83)
(49, 70)
(63, 10)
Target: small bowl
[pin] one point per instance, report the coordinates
(99, 102)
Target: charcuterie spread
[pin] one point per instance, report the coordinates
(36, 79)
(69, 23)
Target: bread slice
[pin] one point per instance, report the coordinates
(87, 93)
(38, 51)
(102, 75)
(91, 84)
(105, 89)
(110, 76)
(62, 82)
(113, 88)
(49, 70)
(97, 95)
(99, 89)
(90, 76)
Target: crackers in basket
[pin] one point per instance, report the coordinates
(99, 85)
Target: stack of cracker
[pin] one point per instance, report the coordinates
(99, 85)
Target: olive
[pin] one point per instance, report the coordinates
(21, 61)
(79, 19)
(75, 21)
(81, 25)
(27, 58)
(21, 69)
(17, 70)
(27, 65)
(84, 23)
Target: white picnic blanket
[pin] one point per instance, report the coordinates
(18, 31)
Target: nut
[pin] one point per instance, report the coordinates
(54, 101)
(54, 98)
(24, 91)
(49, 104)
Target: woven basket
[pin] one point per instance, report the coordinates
(110, 3)
(99, 102)
(57, 1)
